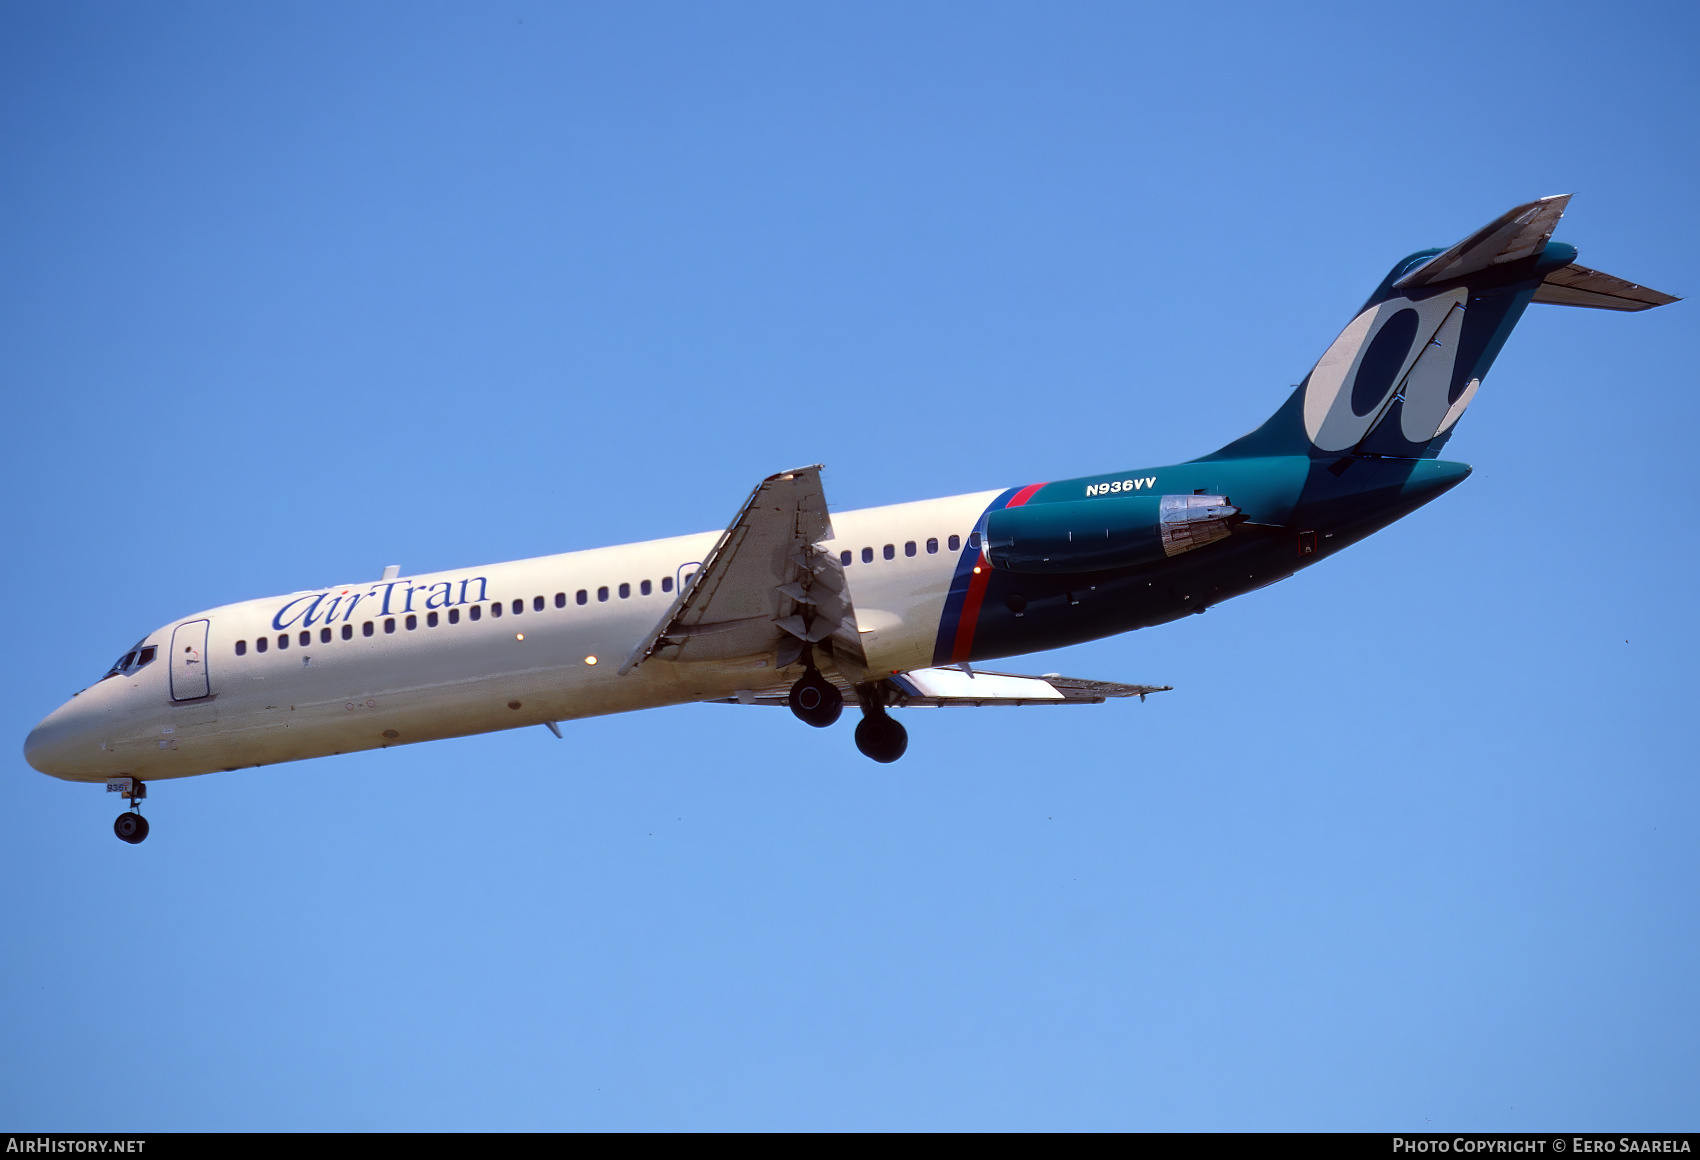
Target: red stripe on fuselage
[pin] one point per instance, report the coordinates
(1024, 495)
(963, 647)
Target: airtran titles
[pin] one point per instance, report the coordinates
(385, 598)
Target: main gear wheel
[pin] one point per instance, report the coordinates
(815, 700)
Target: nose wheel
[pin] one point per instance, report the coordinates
(130, 827)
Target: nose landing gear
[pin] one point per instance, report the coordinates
(130, 827)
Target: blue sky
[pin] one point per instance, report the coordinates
(293, 292)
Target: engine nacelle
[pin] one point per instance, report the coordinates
(1096, 535)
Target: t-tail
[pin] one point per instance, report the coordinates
(1397, 380)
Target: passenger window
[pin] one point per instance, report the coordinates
(844, 558)
(366, 629)
(283, 640)
(454, 616)
(625, 591)
(955, 543)
(389, 624)
(519, 606)
(348, 632)
(306, 638)
(646, 588)
(932, 545)
(909, 548)
(890, 551)
(324, 636)
(974, 540)
(602, 593)
(667, 584)
(496, 608)
(867, 555)
(476, 611)
(560, 600)
(537, 604)
(430, 620)
(583, 597)
(412, 622)
(260, 644)
(241, 649)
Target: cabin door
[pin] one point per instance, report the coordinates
(189, 661)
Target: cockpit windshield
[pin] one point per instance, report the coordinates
(137, 657)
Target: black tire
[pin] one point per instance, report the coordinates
(881, 738)
(815, 700)
(131, 828)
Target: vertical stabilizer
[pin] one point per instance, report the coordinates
(1399, 376)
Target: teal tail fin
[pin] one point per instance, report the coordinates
(1401, 374)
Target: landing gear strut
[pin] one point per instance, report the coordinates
(877, 735)
(130, 827)
(815, 700)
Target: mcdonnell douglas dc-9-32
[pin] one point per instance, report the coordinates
(883, 608)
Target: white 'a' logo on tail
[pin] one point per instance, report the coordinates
(1374, 356)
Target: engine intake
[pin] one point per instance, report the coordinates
(1096, 535)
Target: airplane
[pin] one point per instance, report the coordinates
(882, 608)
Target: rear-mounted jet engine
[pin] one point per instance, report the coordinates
(1099, 534)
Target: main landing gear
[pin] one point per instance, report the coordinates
(877, 735)
(816, 701)
(130, 827)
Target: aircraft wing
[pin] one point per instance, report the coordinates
(937, 688)
(765, 587)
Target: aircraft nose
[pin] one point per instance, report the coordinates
(52, 745)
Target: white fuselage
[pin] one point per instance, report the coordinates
(402, 661)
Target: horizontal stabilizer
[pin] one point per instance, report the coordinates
(936, 688)
(1575, 285)
(1511, 237)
